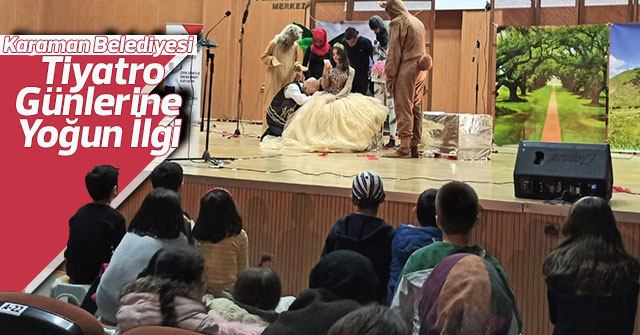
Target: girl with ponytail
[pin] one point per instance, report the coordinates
(169, 292)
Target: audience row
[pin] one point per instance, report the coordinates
(167, 269)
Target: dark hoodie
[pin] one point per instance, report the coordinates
(376, 22)
(371, 237)
(313, 313)
(407, 240)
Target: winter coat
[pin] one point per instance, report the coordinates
(140, 306)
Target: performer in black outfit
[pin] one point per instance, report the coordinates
(360, 51)
(287, 102)
(315, 55)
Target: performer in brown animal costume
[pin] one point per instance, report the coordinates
(405, 68)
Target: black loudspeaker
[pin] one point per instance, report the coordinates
(562, 170)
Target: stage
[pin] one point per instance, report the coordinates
(289, 201)
(403, 178)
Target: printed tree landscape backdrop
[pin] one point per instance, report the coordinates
(624, 88)
(551, 84)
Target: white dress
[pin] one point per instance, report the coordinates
(334, 120)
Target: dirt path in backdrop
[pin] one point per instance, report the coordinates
(551, 131)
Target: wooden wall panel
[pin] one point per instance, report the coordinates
(293, 226)
(474, 28)
(331, 12)
(446, 61)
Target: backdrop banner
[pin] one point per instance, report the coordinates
(551, 84)
(624, 88)
(188, 74)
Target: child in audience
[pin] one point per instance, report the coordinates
(169, 293)
(157, 224)
(592, 281)
(96, 229)
(169, 175)
(371, 320)
(457, 210)
(312, 313)
(221, 240)
(465, 294)
(410, 238)
(347, 274)
(363, 231)
(256, 295)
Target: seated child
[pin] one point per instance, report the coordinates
(364, 232)
(221, 240)
(410, 238)
(96, 229)
(256, 295)
(169, 293)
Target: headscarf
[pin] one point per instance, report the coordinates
(347, 274)
(465, 295)
(368, 186)
(320, 33)
(383, 36)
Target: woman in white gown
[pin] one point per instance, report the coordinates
(333, 120)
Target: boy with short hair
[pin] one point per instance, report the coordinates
(168, 175)
(411, 238)
(364, 232)
(96, 229)
(457, 210)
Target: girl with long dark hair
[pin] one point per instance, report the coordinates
(221, 239)
(592, 280)
(157, 224)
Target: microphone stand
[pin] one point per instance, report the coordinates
(210, 57)
(475, 59)
(239, 105)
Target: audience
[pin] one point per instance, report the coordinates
(157, 224)
(312, 313)
(465, 294)
(457, 210)
(363, 231)
(592, 281)
(371, 320)
(256, 295)
(169, 293)
(347, 274)
(96, 229)
(445, 284)
(409, 238)
(221, 240)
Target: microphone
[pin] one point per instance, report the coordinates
(476, 46)
(246, 13)
(208, 43)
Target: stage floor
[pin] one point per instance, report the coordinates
(403, 178)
